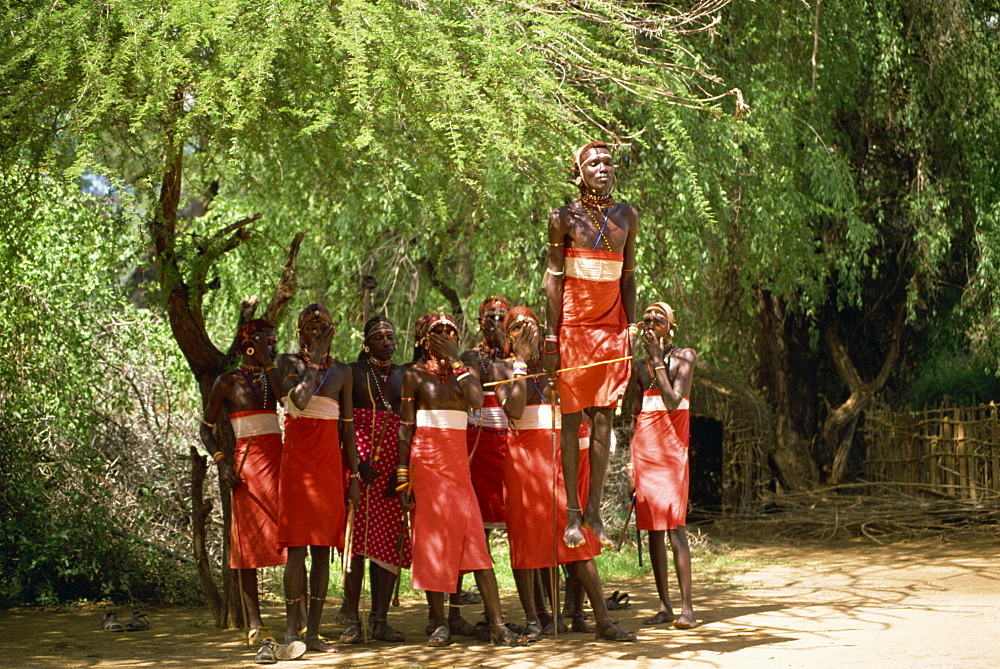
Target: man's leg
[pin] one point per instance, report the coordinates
(682, 563)
(570, 448)
(486, 580)
(295, 584)
(661, 574)
(586, 571)
(248, 589)
(352, 598)
(383, 584)
(524, 579)
(319, 582)
(600, 451)
(441, 635)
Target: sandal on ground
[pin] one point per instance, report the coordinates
(533, 632)
(111, 624)
(470, 597)
(266, 654)
(138, 623)
(439, 638)
(612, 632)
(381, 631)
(617, 601)
(580, 624)
(292, 650)
(461, 626)
(320, 645)
(353, 633)
(507, 637)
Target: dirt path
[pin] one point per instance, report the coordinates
(858, 606)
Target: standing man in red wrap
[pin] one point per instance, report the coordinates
(247, 396)
(312, 509)
(378, 522)
(434, 480)
(659, 467)
(590, 309)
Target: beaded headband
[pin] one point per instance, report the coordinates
(666, 310)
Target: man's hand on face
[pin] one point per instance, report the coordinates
(443, 346)
(321, 344)
(652, 346)
(525, 342)
(262, 354)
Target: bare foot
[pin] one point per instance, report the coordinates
(320, 645)
(594, 523)
(686, 621)
(580, 624)
(573, 536)
(660, 618)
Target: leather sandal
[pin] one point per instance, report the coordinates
(266, 654)
(532, 632)
(111, 624)
(440, 638)
(507, 637)
(381, 631)
(611, 631)
(353, 633)
(292, 650)
(138, 623)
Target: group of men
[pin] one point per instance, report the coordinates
(409, 464)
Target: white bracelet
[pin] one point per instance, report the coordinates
(520, 368)
(549, 270)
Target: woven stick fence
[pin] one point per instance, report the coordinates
(948, 452)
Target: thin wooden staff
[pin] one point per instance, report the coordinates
(558, 371)
(400, 546)
(553, 572)
(348, 541)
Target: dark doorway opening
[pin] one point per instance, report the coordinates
(705, 493)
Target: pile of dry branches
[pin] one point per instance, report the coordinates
(878, 511)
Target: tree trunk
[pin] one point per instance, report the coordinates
(184, 310)
(841, 422)
(787, 371)
(200, 510)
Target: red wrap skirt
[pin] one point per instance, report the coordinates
(535, 537)
(254, 529)
(312, 508)
(592, 328)
(448, 537)
(660, 462)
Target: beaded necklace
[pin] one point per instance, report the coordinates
(257, 380)
(601, 227)
(376, 373)
(600, 201)
(306, 358)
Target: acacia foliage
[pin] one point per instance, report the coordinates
(93, 501)
(400, 133)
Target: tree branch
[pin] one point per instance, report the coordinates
(287, 284)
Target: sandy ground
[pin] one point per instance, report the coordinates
(856, 605)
